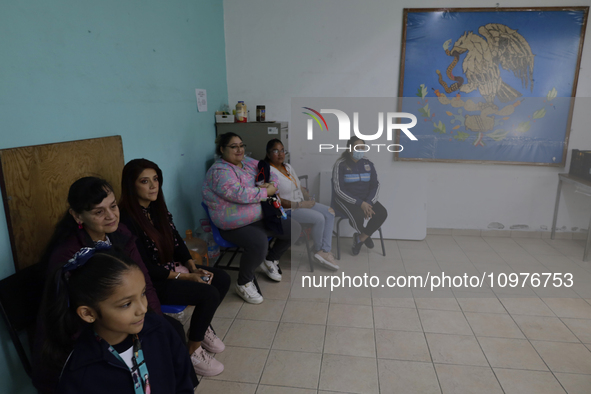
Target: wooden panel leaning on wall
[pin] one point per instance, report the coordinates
(35, 181)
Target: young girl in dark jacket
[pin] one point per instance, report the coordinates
(121, 349)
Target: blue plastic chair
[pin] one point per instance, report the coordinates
(342, 216)
(172, 308)
(225, 247)
(228, 246)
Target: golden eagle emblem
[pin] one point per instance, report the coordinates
(501, 46)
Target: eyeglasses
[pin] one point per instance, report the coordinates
(236, 147)
(277, 151)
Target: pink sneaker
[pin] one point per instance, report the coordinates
(204, 363)
(326, 259)
(211, 342)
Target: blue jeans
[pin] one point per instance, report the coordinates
(322, 222)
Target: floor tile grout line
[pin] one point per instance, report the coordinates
(497, 296)
(375, 342)
(521, 330)
(472, 329)
(270, 346)
(269, 350)
(484, 366)
(525, 336)
(425, 334)
(568, 327)
(323, 347)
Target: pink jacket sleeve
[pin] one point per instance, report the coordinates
(227, 184)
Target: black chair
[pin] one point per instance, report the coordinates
(340, 215)
(20, 298)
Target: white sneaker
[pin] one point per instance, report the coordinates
(249, 293)
(326, 259)
(271, 268)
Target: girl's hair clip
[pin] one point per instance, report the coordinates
(81, 257)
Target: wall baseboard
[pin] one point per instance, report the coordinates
(508, 233)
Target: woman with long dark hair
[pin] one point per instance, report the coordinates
(144, 211)
(355, 187)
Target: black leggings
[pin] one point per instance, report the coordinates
(205, 297)
(253, 238)
(357, 217)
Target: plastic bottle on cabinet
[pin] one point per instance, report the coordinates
(260, 113)
(197, 247)
(213, 249)
(241, 112)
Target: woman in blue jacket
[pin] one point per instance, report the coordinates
(355, 190)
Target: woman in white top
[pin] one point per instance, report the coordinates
(298, 204)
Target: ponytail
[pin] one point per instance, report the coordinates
(87, 279)
(60, 324)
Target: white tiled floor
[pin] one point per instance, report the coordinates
(400, 340)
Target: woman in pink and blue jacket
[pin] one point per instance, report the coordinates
(234, 203)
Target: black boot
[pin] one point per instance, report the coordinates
(356, 245)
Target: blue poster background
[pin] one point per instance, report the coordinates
(535, 129)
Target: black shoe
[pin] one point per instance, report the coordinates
(356, 245)
(369, 243)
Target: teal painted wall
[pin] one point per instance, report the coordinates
(76, 69)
